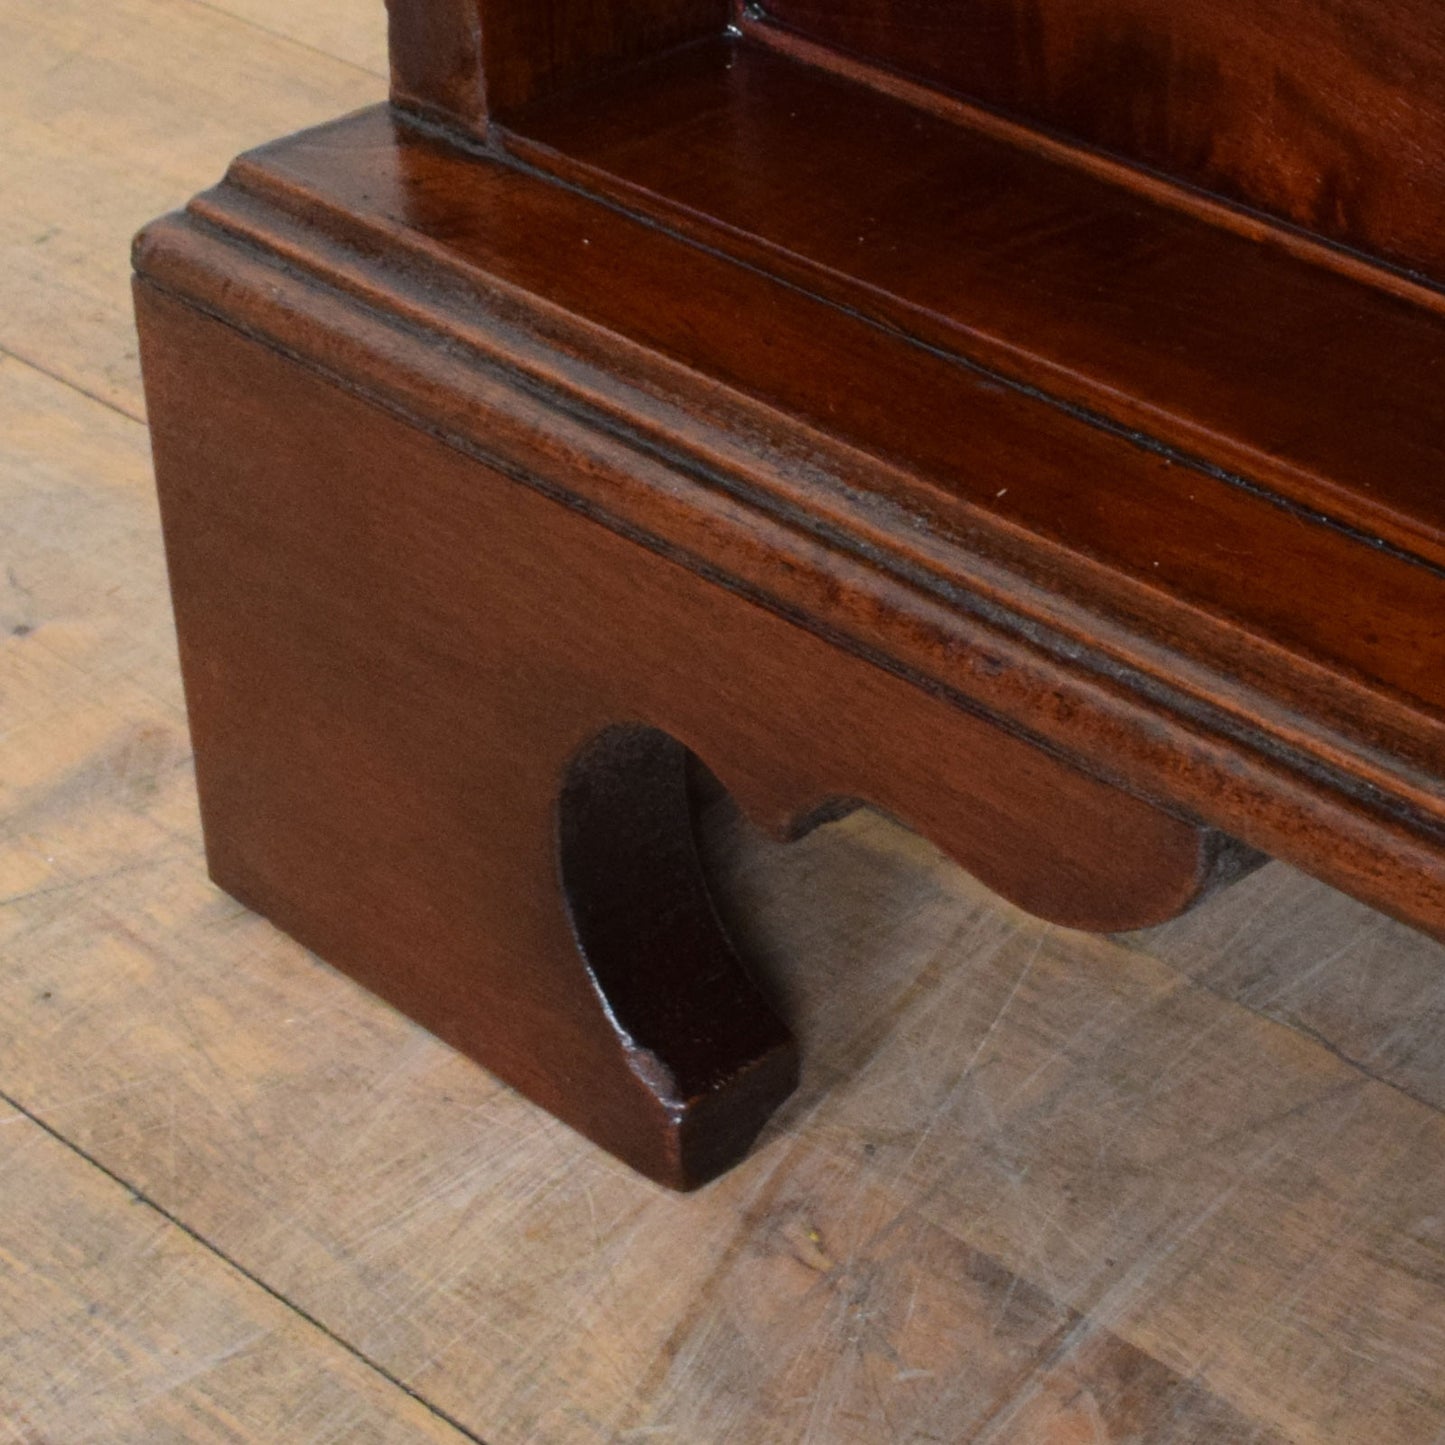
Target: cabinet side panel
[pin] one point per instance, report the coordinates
(436, 58)
(474, 60)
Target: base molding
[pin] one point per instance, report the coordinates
(497, 517)
(444, 729)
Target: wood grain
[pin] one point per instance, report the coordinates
(1376, 997)
(1088, 591)
(515, 755)
(116, 1324)
(92, 101)
(1034, 1188)
(1328, 116)
(1231, 352)
(349, 30)
(533, 48)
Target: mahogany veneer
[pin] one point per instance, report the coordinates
(655, 391)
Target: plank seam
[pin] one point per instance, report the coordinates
(280, 35)
(198, 1238)
(8, 354)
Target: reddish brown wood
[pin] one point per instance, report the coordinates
(1214, 574)
(437, 713)
(1330, 116)
(610, 411)
(1210, 342)
(436, 60)
(533, 48)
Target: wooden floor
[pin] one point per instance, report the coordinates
(1036, 1188)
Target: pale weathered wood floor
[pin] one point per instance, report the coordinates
(1037, 1188)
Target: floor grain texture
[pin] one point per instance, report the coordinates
(1036, 1188)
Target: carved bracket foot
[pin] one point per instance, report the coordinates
(442, 727)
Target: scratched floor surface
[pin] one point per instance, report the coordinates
(1036, 1188)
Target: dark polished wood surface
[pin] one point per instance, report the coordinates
(428, 680)
(1214, 570)
(1330, 116)
(1242, 355)
(532, 48)
(722, 406)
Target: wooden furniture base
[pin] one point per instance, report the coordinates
(443, 731)
(522, 471)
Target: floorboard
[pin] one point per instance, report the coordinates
(117, 1325)
(1036, 1188)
